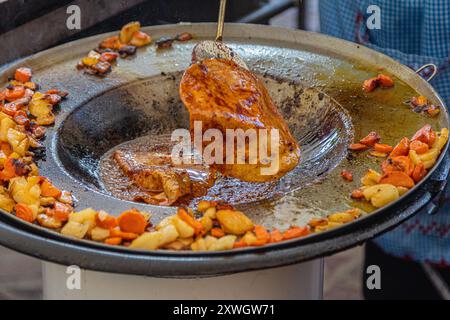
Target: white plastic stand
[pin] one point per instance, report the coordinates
(301, 281)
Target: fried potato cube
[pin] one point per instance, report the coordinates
(75, 229)
(381, 194)
(6, 124)
(18, 140)
(25, 190)
(371, 178)
(224, 243)
(234, 222)
(127, 31)
(99, 234)
(86, 217)
(155, 240)
(6, 202)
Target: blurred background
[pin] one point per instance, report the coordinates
(29, 26)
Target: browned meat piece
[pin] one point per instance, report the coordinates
(154, 174)
(223, 95)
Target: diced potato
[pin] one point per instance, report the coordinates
(99, 234)
(25, 190)
(381, 194)
(207, 223)
(199, 245)
(429, 163)
(184, 230)
(47, 201)
(6, 202)
(224, 243)
(431, 154)
(341, 217)
(140, 39)
(42, 110)
(164, 223)
(402, 190)
(18, 141)
(211, 213)
(75, 229)
(414, 157)
(86, 217)
(249, 238)
(234, 222)
(48, 222)
(154, 240)
(127, 31)
(5, 125)
(442, 139)
(371, 178)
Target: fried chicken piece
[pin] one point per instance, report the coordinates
(223, 95)
(153, 173)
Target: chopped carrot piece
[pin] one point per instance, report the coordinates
(14, 93)
(105, 220)
(240, 244)
(49, 190)
(347, 175)
(24, 212)
(10, 109)
(357, 194)
(383, 148)
(217, 232)
(295, 232)
(370, 84)
(385, 81)
(186, 217)
(61, 211)
(21, 118)
(262, 235)
(400, 163)
(9, 169)
(419, 147)
(111, 43)
(23, 74)
(419, 172)
(132, 221)
(6, 148)
(109, 56)
(371, 139)
(398, 179)
(276, 236)
(433, 110)
(425, 135)
(124, 235)
(401, 149)
(358, 147)
(115, 241)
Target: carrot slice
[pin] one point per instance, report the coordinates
(61, 211)
(383, 148)
(24, 212)
(9, 169)
(217, 232)
(357, 194)
(115, 241)
(295, 232)
(186, 217)
(425, 135)
(347, 175)
(398, 179)
(105, 220)
(400, 163)
(49, 190)
(240, 244)
(23, 74)
(419, 147)
(385, 81)
(276, 236)
(419, 172)
(401, 149)
(115, 233)
(14, 93)
(262, 235)
(6, 148)
(132, 221)
(370, 84)
(370, 139)
(358, 147)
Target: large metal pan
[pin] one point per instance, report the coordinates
(101, 113)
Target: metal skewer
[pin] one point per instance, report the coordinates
(221, 20)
